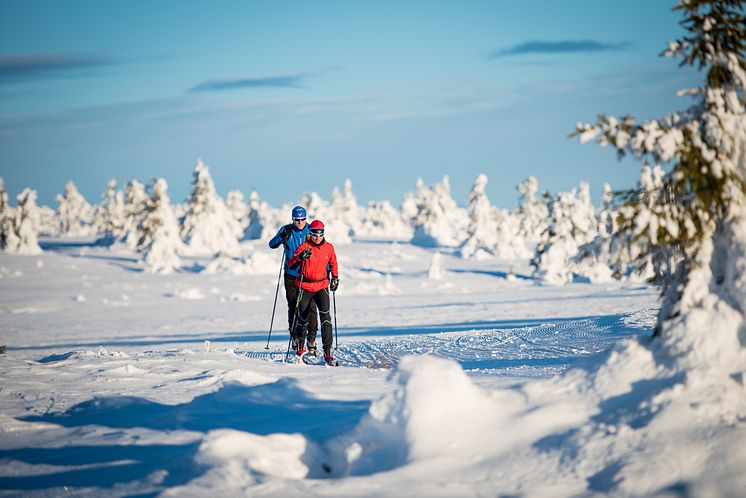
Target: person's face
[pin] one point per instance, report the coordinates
(299, 223)
(317, 235)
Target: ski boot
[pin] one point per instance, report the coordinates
(299, 349)
(328, 358)
(312, 349)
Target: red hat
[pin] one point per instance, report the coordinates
(316, 224)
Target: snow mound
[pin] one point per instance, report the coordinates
(237, 460)
(192, 293)
(413, 424)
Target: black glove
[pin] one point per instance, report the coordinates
(305, 255)
(333, 284)
(286, 231)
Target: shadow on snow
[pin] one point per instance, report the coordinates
(279, 407)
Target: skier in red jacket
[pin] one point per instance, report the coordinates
(317, 258)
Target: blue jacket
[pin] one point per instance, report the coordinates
(297, 237)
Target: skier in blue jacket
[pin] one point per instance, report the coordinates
(292, 236)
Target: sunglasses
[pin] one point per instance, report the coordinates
(317, 233)
(299, 219)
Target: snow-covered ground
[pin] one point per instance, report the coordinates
(118, 382)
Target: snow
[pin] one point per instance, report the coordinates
(482, 383)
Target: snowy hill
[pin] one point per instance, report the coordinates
(118, 382)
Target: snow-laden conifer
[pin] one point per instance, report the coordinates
(135, 209)
(160, 240)
(261, 217)
(74, 213)
(235, 204)
(700, 209)
(383, 220)
(439, 221)
(9, 240)
(482, 229)
(26, 224)
(533, 214)
(572, 223)
(208, 227)
(109, 215)
(336, 230)
(348, 210)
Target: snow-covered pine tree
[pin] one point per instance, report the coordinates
(208, 227)
(606, 213)
(572, 224)
(533, 213)
(383, 220)
(701, 207)
(8, 237)
(135, 208)
(261, 219)
(27, 223)
(439, 221)
(160, 240)
(74, 212)
(482, 230)
(238, 208)
(409, 205)
(109, 217)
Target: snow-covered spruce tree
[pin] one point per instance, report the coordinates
(572, 224)
(439, 221)
(383, 220)
(27, 223)
(8, 237)
(336, 230)
(701, 207)
(261, 219)
(160, 240)
(533, 214)
(238, 208)
(482, 231)
(74, 213)
(348, 209)
(208, 227)
(135, 208)
(109, 218)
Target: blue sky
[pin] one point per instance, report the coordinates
(294, 96)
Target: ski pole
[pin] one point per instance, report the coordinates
(277, 291)
(298, 297)
(336, 337)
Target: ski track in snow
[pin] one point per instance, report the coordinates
(535, 351)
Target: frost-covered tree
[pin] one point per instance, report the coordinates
(383, 220)
(26, 224)
(238, 208)
(208, 227)
(347, 209)
(336, 230)
(109, 215)
(74, 212)
(9, 240)
(439, 221)
(482, 230)
(572, 223)
(261, 219)
(135, 209)
(160, 240)
(700, 209)
(532, 212)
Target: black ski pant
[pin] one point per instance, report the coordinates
(309, 301)
(291, 296)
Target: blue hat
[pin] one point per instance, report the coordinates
(299, 212)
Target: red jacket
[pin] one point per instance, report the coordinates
(314, 270)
